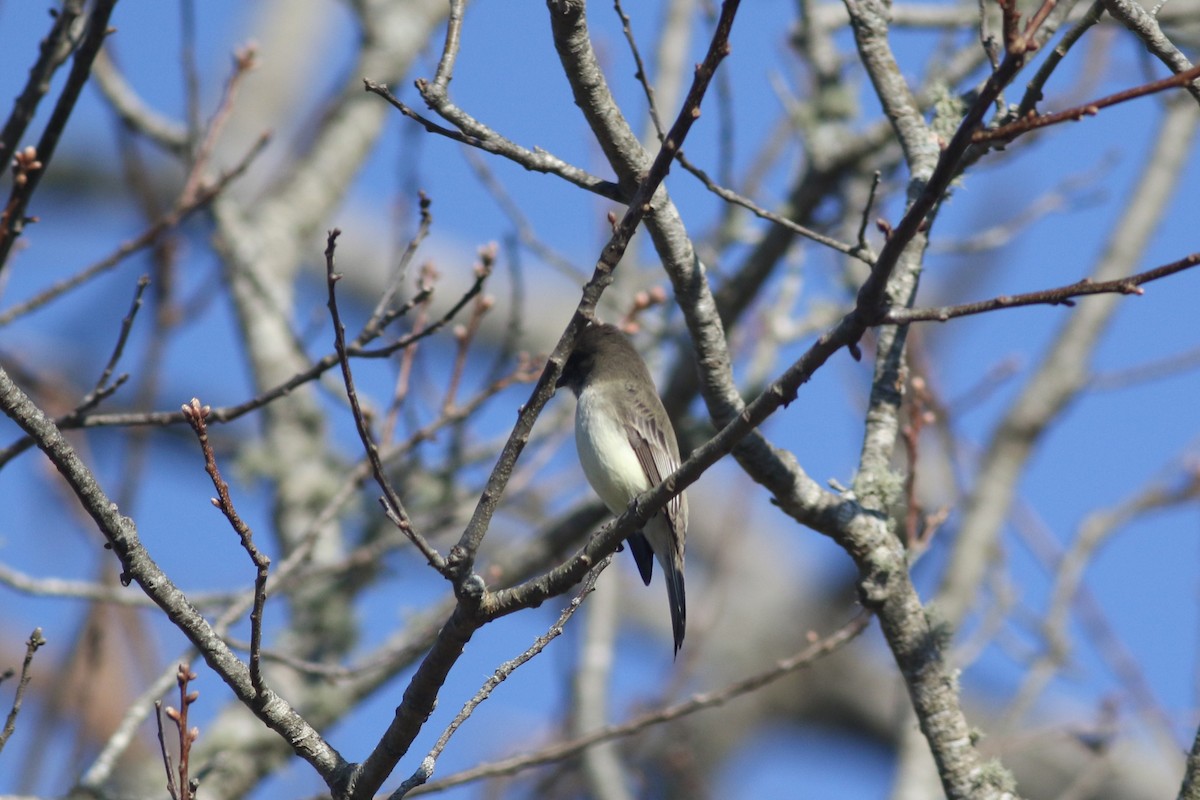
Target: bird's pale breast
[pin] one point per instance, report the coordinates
(608, 459)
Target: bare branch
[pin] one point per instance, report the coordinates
(137, 566)
(1144, 24)
(182, 210)
(422, 775)
(195, 415)
(478, 135)
(391, 501)
(699, 702)
(183, 787)
(10, 723)
(423, 689)
(1063, 295)
(14, 215)
(1032, 121)
(53, 51)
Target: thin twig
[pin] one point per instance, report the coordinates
(641, 76)
(423, 773)
(182, 210)
(1063, 295)
(183, 788)
(1034, 94)
(102, 390)
(230, 413)
(862, 245)
(243, 62)
(524, 230)
(384, 313)
(89, 400)
(195, 414)
(911, 435)
(357, 349)
(97, 592)
(1032, 121)
(31, 646)
(854, 250)
(408, 357)
(189, 68)
(97, 30)
(465, 334)
(484, 138)
(1149, 371)
(698, 702)
(53, 52)
(392, 504)
(168, 762)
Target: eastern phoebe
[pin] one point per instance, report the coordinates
(627, 446)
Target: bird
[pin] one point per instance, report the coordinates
(626, 446)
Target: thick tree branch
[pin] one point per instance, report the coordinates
(137, 566)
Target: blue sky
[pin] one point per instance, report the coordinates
(1109, 446)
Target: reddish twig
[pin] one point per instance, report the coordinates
(1063, 295)
(465, 334)
(642, 301)
(1029, 41)
(25, 164)
(243, 62)
(184, 788)
(196, 414)
(911, 433)
(1033, 121)
(919, 525)
(408, 356)
(356, 349)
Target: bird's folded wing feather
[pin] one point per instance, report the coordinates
(658, 454)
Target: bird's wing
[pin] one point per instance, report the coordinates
(658, 454)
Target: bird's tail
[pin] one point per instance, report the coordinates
(678, 600)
